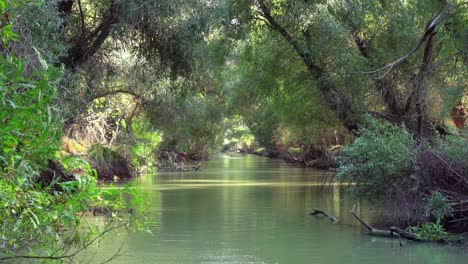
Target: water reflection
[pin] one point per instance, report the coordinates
(247, 209)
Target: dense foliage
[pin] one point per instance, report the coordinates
(379, 162)
(42, 205)
(119, 82)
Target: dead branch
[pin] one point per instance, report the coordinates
(393, 232)
(70, 256)
(320, 212)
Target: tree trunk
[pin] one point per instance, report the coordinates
(335, 99)
(88, 43)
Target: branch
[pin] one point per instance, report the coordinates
(393, 232)
(83, 26)
(273, 24)
(117, 92)
(428, 32)
(317, 212)
(70, 256)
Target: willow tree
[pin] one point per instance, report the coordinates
(385, 58)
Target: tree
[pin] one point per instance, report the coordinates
(342, 43)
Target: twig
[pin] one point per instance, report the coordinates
(70, 256)
(115, 255)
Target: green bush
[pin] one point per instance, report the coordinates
(379, 161)
(36, 218)
(147, 140)
(454, 149)
(29, 128)
(438, 206)
(108, 163)
(429, 231)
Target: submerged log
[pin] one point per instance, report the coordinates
(320, 212)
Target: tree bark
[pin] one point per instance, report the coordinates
(422, 84)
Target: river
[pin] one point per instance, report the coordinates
(249, 209)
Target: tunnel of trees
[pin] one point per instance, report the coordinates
(112, 88)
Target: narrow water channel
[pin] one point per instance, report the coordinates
(249, 209)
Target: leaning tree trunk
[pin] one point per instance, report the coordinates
(334, 98)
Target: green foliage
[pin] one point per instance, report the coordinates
(109, 163)
(379, 161)
(29, 128)
(429, 231)
(194, 124)
(36, 218)
(264, 125)
(455, 149)
(237, 135)
(438, 206)
(40, 217)
(281, 95)
(147, 140)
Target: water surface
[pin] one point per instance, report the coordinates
(249, 209)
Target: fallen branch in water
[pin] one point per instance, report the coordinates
(396, 232)
(393, 232)
(317, 212)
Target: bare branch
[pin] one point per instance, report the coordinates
(70, 256)
(83, 25)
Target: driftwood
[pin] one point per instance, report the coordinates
(393, 232)
(320, 212)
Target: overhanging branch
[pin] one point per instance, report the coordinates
(428, 32)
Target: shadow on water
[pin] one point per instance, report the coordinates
(249, 209)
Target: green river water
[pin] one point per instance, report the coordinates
(249, 209)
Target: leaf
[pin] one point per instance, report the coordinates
(41, 59)
(12, 104)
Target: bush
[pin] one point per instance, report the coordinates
(455, 149)
(39, 215)
(429, 231)
(147, 140)
(29, 128)
(108, 163)
(438, 206)
(443, 174)
(379, 161)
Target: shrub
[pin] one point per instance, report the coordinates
(429, 231)
(438, 206)
(147, 140)
(29, 128)
(108, 163)
(41, 216)
(379, 161)
(443, 171)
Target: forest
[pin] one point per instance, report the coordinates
(94, 93)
